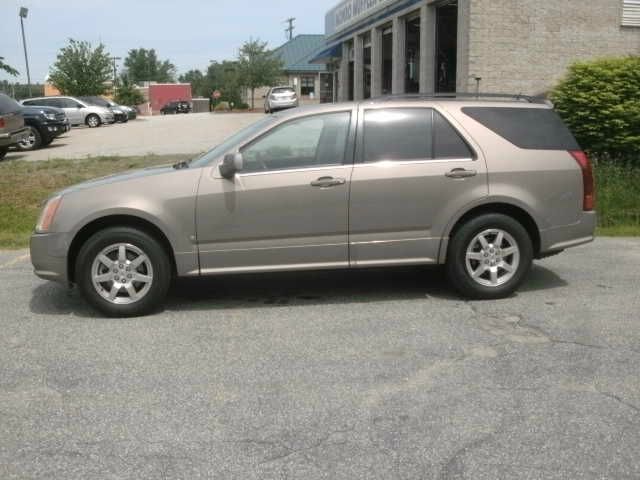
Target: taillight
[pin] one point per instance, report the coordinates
(588, 182)
(2, 123)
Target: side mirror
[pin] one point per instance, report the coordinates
(231, 164)
(79, 106)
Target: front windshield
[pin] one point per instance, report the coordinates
(231, 142)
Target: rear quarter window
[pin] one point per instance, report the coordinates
(8, 105)
(528, 128)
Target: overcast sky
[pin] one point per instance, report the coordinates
(189, 33)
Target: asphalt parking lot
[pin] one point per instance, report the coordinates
(161, 135)
(380, 374)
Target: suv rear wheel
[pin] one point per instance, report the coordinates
(489, 256)
(3, 152)
(123, 272)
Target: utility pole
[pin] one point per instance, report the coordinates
(289, 30)
(115, 73)
(23, 14)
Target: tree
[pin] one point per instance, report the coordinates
(257, 67)
(600, 101)
(8, 68)
(225, 78)
(21, 91)
(127, 93)
(142, 65)
(81, 69)
(197, 81)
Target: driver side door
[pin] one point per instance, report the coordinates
(287, 208)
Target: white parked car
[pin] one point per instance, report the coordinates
(78, 112)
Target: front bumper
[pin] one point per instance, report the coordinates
(560, 238)
(54, 129)
(49, 256)
(13, 138)
(108, 118)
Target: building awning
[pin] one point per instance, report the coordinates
(325, 56)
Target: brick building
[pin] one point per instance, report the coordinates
(376, 47)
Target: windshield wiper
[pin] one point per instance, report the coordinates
(181, 165)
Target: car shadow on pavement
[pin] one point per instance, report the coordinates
(291, 289)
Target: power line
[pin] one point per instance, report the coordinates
(290, 29)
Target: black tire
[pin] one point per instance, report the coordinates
(35, 143)
(160, 263)
(456, 266)
(3, 152)
(93, 120)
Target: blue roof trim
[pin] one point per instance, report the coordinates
(371, 20)
(323, 55)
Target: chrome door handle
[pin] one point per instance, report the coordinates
(325, 182)
(461, 173)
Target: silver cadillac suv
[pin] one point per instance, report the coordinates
(483, 186)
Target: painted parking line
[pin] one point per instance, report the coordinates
(15, 261)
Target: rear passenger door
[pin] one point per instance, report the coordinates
(74, 111)
(414, 170)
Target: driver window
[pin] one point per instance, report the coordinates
(315, 141)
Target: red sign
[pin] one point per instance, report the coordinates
(216, 94)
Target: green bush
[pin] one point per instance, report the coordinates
(222, 107)
(600, 101)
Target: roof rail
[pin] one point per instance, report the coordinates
(465, 95)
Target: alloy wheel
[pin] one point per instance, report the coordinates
(492, 257)
(29, 142)
(122, 274)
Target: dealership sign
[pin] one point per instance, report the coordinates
(349, 12)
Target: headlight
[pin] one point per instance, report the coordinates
(49, 116)
(48, 214)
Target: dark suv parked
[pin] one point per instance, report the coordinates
(44, 124)
(12, 129)
(176, 107)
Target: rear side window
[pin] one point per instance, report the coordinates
(529, 128)
(402, 134)
(8, 105)
(447, 142)
(398, 134)
(283, 90)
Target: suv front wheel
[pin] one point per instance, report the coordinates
(489, 256)
(123, 272)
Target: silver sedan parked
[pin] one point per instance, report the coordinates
(279, 98)
(483, 187)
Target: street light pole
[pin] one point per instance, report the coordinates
(23, 14)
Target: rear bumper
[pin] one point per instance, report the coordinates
(275, 104)
(12, 138)
(560, 238)
(49, 256)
